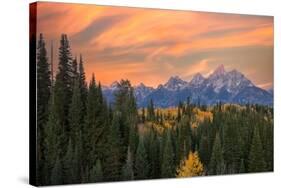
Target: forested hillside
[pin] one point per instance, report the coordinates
(80, 138)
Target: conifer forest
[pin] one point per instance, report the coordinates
(83, 138)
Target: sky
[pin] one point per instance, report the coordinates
(151, 45)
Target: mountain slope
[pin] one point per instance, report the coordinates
(220, 86)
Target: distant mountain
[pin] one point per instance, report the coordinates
(270, 91)
(142, 91)
(175, 83)
(220, 86)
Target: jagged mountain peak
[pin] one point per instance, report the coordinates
(197, 79)
(141, 85)
(226, 86)
(175, 83)
(219, 71)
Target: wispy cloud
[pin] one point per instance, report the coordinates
(150, 45)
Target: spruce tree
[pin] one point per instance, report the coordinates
(51, 141)
(256, 156)
(43, 95)
(56, 177)
(68, 173)
(82, 85)
(141, 164)
(167, 166)
(216, 163)
(75, 113)
(63, 90)
(154, 152)
(113, 157)
(96, 174)
(128, 171)
(242, 166)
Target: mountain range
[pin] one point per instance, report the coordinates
(220, 86)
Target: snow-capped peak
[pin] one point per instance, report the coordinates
(219, 71)
(197, 79)
(175, 83)
(232, 81)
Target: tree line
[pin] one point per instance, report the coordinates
(82, 138)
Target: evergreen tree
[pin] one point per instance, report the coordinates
(184, 138)
(242, 167)
(167, 168)
(127, 171)
(82, 85)
(150, 111)
(96, 174)
(75, 113)
(56, 174)
(68, 173)
(154, 151)
(63, 91)
(216, 163)
(51, 142)
(113, 157)
(43, 95)
(141, 164)
(125, 105)
(256, 156)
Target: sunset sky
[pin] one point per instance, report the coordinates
(151, 45)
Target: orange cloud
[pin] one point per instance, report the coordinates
(142, 44)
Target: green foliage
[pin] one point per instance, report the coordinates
(127, 170)
(113, 157)
(82, 138)
(96, 174)
(256, 156)
(141, 164)
(43, 95)
(56, 174)
(167, 165)
(217, 165)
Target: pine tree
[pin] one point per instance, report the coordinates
(75, 113)
(113, 157)
(68, 173)
(51, 141)
(96, 174)
(191, 167)
(75, 73)
(63, 90)
(141, 164)
(184, 138)
(82, 85)
(43, 95)
(154, 152)
(150, 111)
(256, 156)
(216, 163)
(133, 140)
(56, 174)
(242, 167)
(167, 167)
(125, 105)
(95, 129)
(127, 171)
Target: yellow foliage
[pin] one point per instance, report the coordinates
(190, 167)
(200, 116)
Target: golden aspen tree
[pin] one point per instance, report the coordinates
(191, 166)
